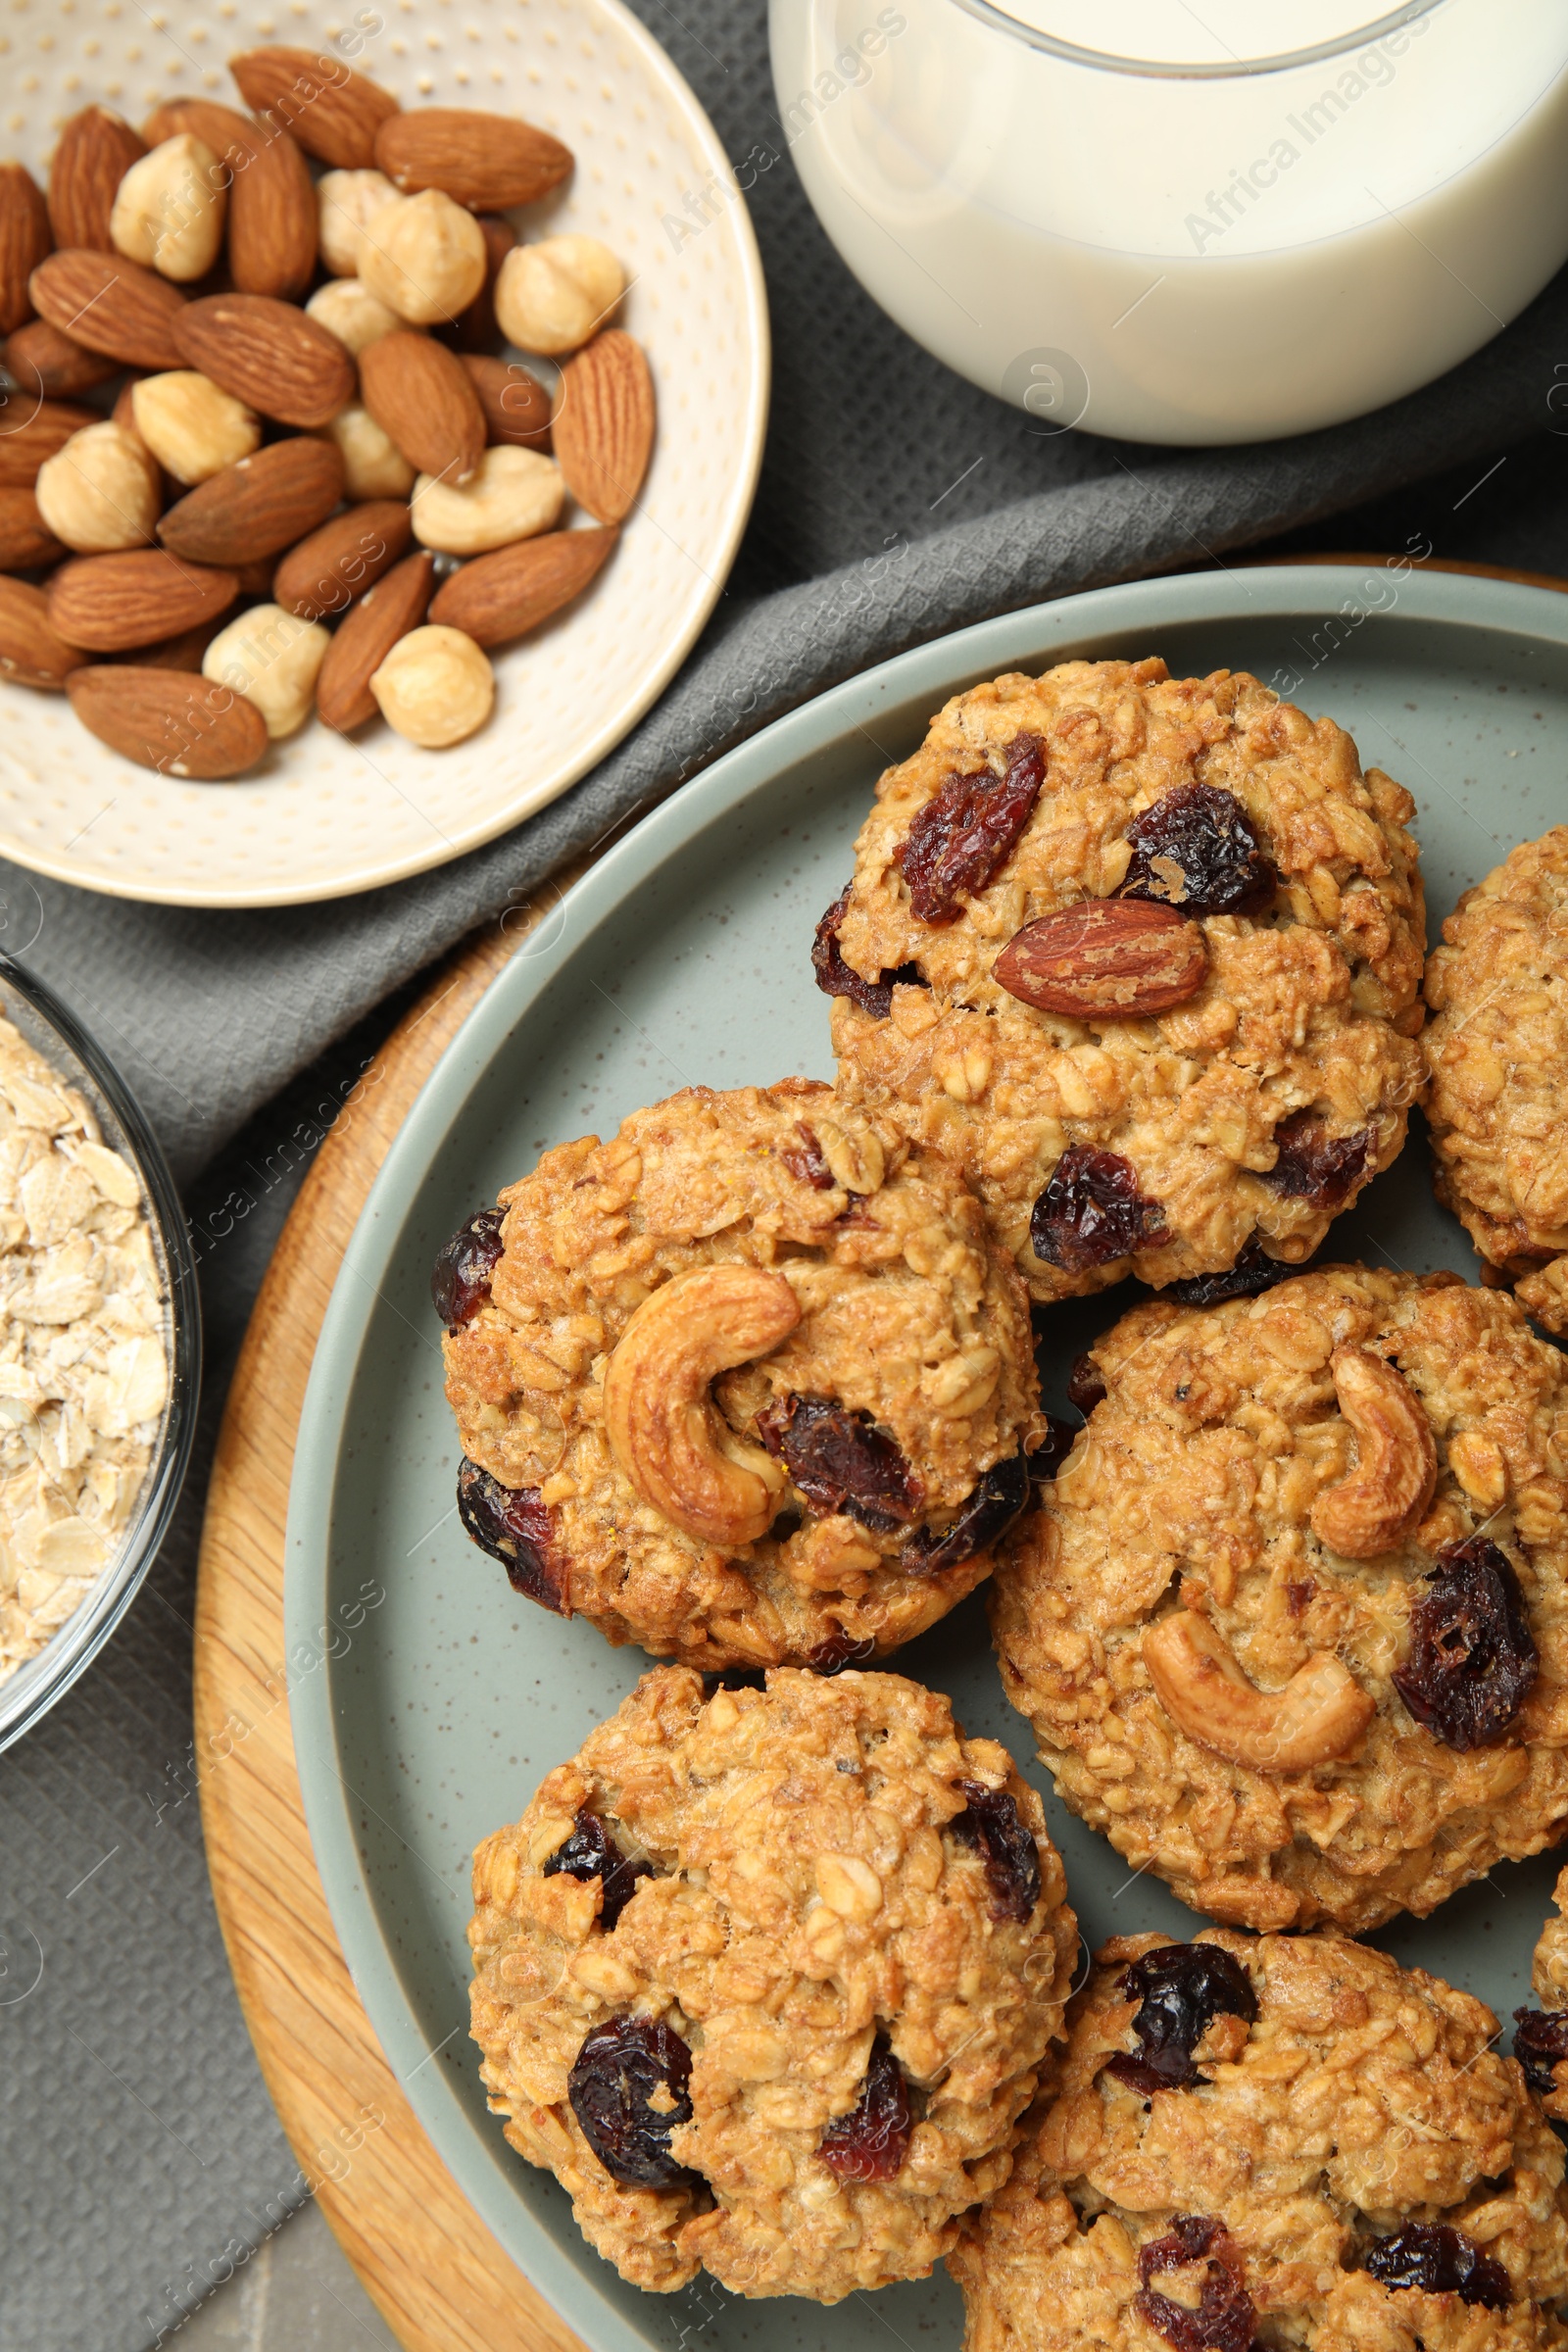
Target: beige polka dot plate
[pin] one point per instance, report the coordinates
(324, 816)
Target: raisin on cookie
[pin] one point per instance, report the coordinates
(764, 1977)
(748, 1384)
(1280, 2140)
(1291, 1623)
(1142, 955)
(1497, 1047)
(1541, 2035)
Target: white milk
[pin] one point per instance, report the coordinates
(1207, 254)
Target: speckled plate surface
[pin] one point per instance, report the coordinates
(324, 816)
(681, 958)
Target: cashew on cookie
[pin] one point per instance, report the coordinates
(1142, 955)
(1272, 2140)
(1291, 1623)
(747, 1385)
(1497, 1044)
(765, 1977)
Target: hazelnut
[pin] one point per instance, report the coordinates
(344, 202)
(272, 658)
(435, 687)
(424, 257)
(192, 428)
(349, 310)
(374, 467)
(551, 296)
(512, 494)
(169, 210)
(99, 492)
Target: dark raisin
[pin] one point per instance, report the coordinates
(1091, 1211)
(841, 1461)
(1086, 1385)
(1253, 1272)
(836, 978)
(515, 1527)
(1047, 1456)
(991, 1826)
(1297, 1596)
(1180, 1989)
(621, 2067)
(1442, 2261)
(986, 1514)
(1198, 849)
(968, 829)
(1540, 2045)
(804, 1161)
(1314, 1165)
(590, 1853)
(871, 2141)
(1224, 2317)
(1472, 1660)
(459, 1280)
(839, 1650)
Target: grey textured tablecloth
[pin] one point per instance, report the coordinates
(139, 2157)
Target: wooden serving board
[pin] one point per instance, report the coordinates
(438, 2276)
(428, 2262)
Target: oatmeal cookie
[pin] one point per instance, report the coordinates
(1497, 1046)
(764, 1978)
(746, 1385)
(1287, 2140)
(1142, 955)
(1291, 1625)
(1541, 2035)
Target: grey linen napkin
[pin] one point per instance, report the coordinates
(139, 2157)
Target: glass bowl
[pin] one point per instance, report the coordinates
(1221, 229)
(54, 1033)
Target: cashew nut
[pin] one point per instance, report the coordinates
(661, 1427)
(1397, 1461)
(1319, 1714)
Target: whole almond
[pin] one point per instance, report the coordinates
(25, 239)
(333, 113)
(111, 305)
(487, 161)
(516, 407)
(26, 540)
(108, 603)
(96, 150)
(191, 727)
(421, 396)
(1117, 959)
(31, 652)
(269, 355)
(255, 508)
(604, 424)
(502, 596)
(48, 366)
(476, 328)
(31, 430)
(388, 611)
(347, 555)
(271, 199)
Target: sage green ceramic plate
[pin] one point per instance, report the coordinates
(681, 958)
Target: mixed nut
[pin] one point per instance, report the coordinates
(316, 422)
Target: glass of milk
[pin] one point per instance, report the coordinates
(1186, 221)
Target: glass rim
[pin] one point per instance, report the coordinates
(42, 1681)
(1105, 60)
